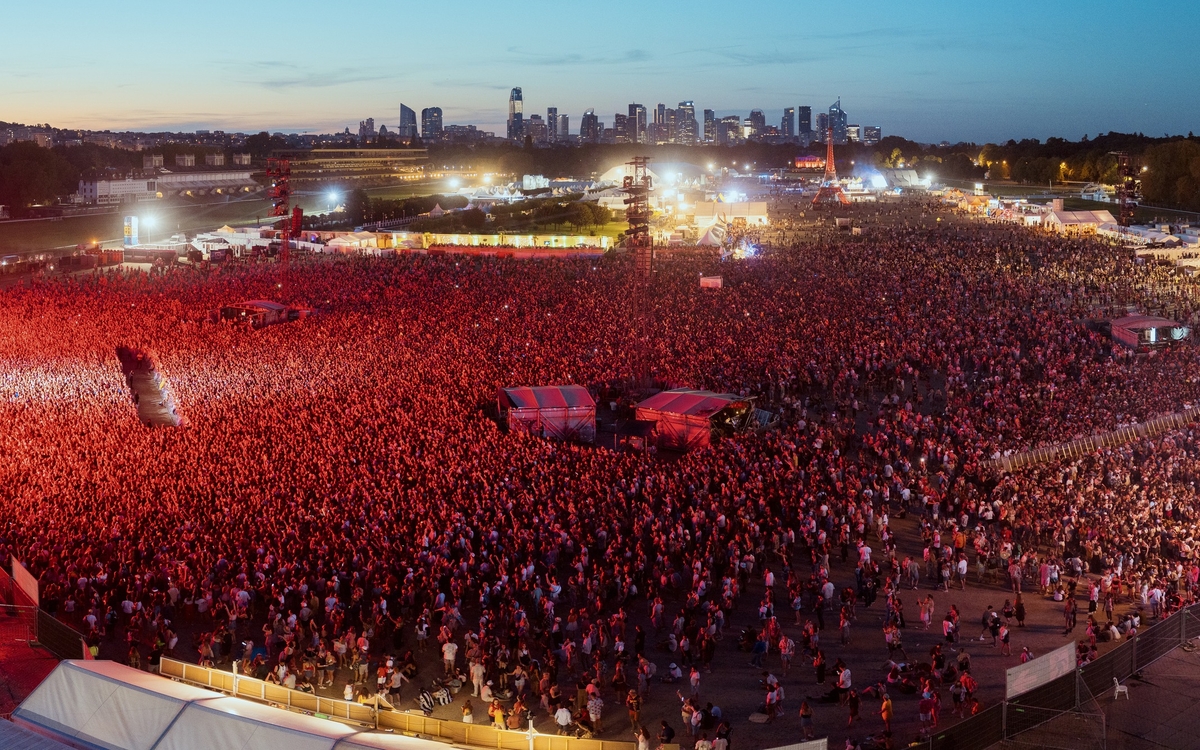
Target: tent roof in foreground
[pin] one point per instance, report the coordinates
(548, 397)
(691, 403)
(102, 705)
(15, 737)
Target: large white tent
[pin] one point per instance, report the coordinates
(102, 705)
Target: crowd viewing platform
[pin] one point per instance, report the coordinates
(368, 501)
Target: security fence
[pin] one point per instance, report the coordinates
(1089, 445)
(1063, 712)
(366, 715)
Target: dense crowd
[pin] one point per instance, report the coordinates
(342, 498)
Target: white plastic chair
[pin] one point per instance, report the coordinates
(1119, 690)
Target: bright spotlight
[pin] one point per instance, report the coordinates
(333, 197)
(454, 184)
(148, 221)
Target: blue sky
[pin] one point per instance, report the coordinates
(926, 70)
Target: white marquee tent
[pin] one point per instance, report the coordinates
(102, 705)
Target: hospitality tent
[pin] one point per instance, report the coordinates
(565, 412)
(102, 705)
(687, 419)
(15, 737)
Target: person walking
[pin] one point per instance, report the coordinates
(806, 719)
(885, 712)
(852, 703)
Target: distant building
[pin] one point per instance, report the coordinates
(152, 161)
(854, 133)
(431, 124)
(366, 130)
(564, 127)
(552, 123)
(839, 122)
(463, 134)
(757, 122)
(636, 124)
(589, 127)
(871, 134)
(185, 160)
(729, 130)
(804, 124)
(787, 126)
(687, 130)
(822, 126)
(408, 124)
(535, 128)
(710, 126)
(516, 114)
(241, 160)
(214, 160)
(621, 128)
(130, 190)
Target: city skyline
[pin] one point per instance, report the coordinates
(926, 72)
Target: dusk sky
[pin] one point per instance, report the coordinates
(927, 70)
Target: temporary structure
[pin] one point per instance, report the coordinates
(1146, 331)
(102, 705)
(687, 419)
(565, 412)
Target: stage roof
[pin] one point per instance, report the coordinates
(691, 403)
(548, 397)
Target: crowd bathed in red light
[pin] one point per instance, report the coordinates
(341, 486)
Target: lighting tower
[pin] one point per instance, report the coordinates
(279, 172)
(830, 191)
(637, 238)
(1126, 188)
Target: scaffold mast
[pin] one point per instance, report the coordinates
(637, 212)
(279, 172)
(830, 190)
(1126, 188)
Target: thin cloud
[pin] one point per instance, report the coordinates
(574, 58)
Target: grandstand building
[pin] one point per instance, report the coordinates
(164, 185)
(356, 163)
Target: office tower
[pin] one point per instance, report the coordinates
(660, 114)
(822, 126)
(853, 133)
(729, 130)
(636, 124)
(535, 128)
(431, 123)
(804, 125)
(871, 134)
(838, 121)
(552, 123)
(788, 127)
(710, 126)
(516, 117)
(621, 128)
(408, 124)
(589, 127)
(366, 130)
(757, 122)
(687, 130)
(564, 127)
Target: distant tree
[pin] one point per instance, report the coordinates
(358, 206)
(473, 219)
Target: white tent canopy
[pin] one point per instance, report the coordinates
(102, 705)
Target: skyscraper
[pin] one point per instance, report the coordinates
(552, 123)
(710, 126)
(822, 126)
(871, 134)
(431, 123)
(516, 117)
(589, 127)
(621, 127)
(805, 124)
(687, 130)
(788, 127)
(535, 128)
(366, 130)
(636, 125)
(838, 121)
(564, 127)
(758, 123)
(408, 124)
